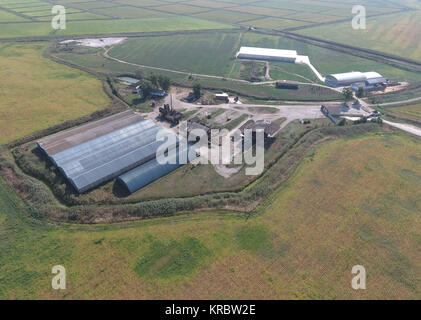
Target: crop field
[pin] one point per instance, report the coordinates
(139, 25)
(300, 246)
(37, 93)
(206, 53)
(7, 17)
(132, 12)
(412, 111)
(118, 14)
(214, 54)
(396, 34)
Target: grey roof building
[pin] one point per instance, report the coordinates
(102, 150)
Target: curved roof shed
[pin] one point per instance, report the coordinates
(147, 173)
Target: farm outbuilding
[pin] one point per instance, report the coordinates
(267, 54)
(102, 150)
(346, 79)
(143, 175)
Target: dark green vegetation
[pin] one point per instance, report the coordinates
(164, 260)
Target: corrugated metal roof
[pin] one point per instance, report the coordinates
(376, 81)
(70, 138)
(150, 171)
(349, 76)
(108, 152)
(372, 75)
(276, 53)
(355, 76)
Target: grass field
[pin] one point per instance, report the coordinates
(140, 25)
(300, 246)
(412, 111)
(214, 54)
(267, 14)
(37, 93)
(206, 53)
(397, 34)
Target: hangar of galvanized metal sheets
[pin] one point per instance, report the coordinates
(141, 176)
(99, 151)
(267, 54)
(344, 79)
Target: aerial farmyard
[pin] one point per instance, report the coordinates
(210, 150)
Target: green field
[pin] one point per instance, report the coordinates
(7, 17)
(411, 111)
(37, 93)
(397, 34)
(214, 54)
(267, 14)
(206, 53)
(139, 25)
(301, 246)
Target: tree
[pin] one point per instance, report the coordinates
(164, 82)
(138, 74)
(146, 88)
(154, 80)
(360, 92)
(197, 90)
(347, 93)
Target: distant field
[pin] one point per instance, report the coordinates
(301, 246)
(276, 24)
(226, 16)
(7, 17)
(132, 12)
(206, 53)
(36, 93)
(214, 54)
(140, 25)
(35, 29)
(269, 14)
(397, 34)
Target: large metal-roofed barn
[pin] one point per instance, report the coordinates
(141, 176)
(99, 151)
(266, 54)
(348, 78)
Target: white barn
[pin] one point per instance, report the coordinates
(346, 79)
(266, 54)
